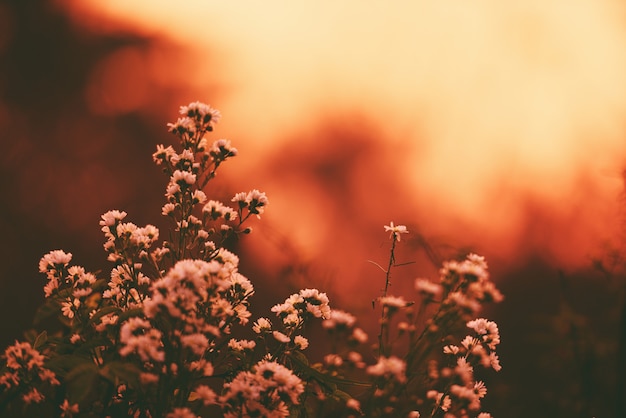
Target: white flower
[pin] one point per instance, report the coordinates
(256, 201)
(389, 367)
(339, 319)
(197, 343)
(428, 288)
(67, 409)
(222, 149)
(333, 360)
(183, 177)
(279, 336)
(137, 336)
(262, 325)
(181, 126)
(353, 404)
(488, 330)
(201, 112)
(301, 342)
(33, 396)
(54, 259)
(112, 217)
(395, 230)
(181, 413)
(69, 307)
(241, 345)
(359, 335)
(206, 394)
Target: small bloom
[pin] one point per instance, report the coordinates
(201, 112)
(67, 409)
(183, 178)
(339, 320)
(359, 335)
(395, 230)
(181, 413)
(206, 394)
(69, 307)
(241, 345)
(333, 360)
(222, 149)
(353, 404)
(168, 209)
(389, 367)
(279, 336)
(53, 260)
(393, 302)
(33, 396)
(262, 325)
(163, 154)
(427, 288)
(301, 342)
(256, 201)
(112, 217)
(148, 378)
(197, 343)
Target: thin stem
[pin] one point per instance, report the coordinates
(383, 315)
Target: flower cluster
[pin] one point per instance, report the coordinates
(269, 390)
(168, 331)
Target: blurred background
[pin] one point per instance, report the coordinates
(496, 127)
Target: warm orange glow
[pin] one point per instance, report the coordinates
(485, 114)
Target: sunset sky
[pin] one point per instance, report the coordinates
(484, 110)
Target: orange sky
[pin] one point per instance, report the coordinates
(484, 114)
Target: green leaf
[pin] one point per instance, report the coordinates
(328, 381)
(129, 314)
(117, 371)
(340, 394)
(67, 362)
(52, 307)
(41, 340)
(81, 380)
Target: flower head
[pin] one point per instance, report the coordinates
(395, 230)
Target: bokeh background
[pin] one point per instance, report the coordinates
(492, 126)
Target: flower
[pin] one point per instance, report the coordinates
(389, 367)
(33, 396)
(137, 336)
(241, 345)
(280, 337)
(216, 210)
(168, 318)
(67, 409)
(301, 342)
(112, 217)
(394, 302)
(428, 289)
(353, 404)
(53, 260)
(181, 413)
(339, 319)
(222, 149)
(201, 112)
(206, 394)
(395, 230)
(262, 325)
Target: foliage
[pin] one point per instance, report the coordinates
(154, 338)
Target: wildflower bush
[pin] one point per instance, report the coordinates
(154, 336)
